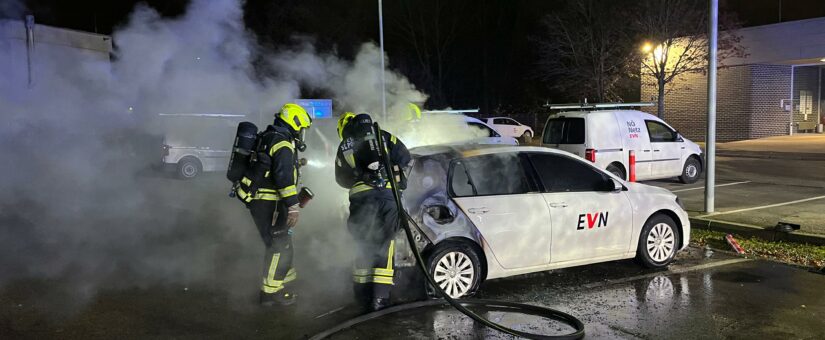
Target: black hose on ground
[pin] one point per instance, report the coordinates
(460, 303)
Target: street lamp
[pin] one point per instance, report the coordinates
(647, 47)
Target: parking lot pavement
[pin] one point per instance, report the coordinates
(698, 298)
(760, 192)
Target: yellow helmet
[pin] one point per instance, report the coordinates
(414, 112)
(295, 116)
(342, 123)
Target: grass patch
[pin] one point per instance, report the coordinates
(797, 253)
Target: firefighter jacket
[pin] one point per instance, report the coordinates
(347, 174)
(274, 175)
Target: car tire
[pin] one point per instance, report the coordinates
(189, 168)
(691, 171)
(456, 268)
(658, 242)
(616, 170)
(527, 138)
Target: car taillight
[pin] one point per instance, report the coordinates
(590, 155)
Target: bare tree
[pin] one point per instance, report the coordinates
(585, 49)
(429, 29)
(676, 42)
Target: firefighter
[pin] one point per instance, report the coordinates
(269, 189)
(373, 219)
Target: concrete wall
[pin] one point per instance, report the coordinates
(793, 42)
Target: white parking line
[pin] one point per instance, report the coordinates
(669, 272)
(716, 186)
(763, 206)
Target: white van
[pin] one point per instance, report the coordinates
(605, 134)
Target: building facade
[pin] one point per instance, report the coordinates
(775, 90)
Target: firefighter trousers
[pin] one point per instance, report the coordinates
(270, 219)
(373, 222)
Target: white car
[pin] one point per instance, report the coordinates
(441, 128)
(606, 138)
(512, 128)
(487, 212)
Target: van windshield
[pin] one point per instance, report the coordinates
(564, 131)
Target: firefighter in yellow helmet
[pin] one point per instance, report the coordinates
(269, 189)
(342, 123)
(373, 218)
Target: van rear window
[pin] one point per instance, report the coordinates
(564, 131)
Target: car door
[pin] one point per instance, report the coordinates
(512, 127)
(589, 218)
(664, 141)
(486, 135)
(505, 206)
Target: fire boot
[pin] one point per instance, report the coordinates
(379, 304)
(280, 299)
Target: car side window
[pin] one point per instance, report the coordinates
(460, 184)
(482, 130)
(660, 132)
(497, 174)
(511, 122)
(500, 121)
(560, 173)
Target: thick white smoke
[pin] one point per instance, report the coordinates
(76, 203)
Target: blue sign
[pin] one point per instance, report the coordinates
(317, 108)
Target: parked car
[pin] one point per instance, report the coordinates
(487, 212)
(512, 128)
(197, 143)
(441, 128)
(606, 138)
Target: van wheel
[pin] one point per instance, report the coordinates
(456, 268)
(189, 168)
(616, 170)
(527, 138)
(691, 171)
(658, 242)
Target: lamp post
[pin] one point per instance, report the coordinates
(383, 77)
(710, 141)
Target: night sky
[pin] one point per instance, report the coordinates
(489, 64)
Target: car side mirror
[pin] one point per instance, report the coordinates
(612, 185)
(440, 214)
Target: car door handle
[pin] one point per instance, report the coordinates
(645, 150)
(557, 205)
(478, 210)
(656, 150)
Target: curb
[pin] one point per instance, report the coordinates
(754, 231)
(803, 156)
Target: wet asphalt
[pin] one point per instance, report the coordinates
(702, 295)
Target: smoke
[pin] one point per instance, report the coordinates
(77, 202)
(12, 9)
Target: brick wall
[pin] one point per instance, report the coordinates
(747, 102)
(769, 85)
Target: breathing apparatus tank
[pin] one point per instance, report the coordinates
(245, 142)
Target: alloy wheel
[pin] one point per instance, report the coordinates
(454, 273)
(661, 242)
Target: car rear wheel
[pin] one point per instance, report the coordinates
(188, 168)
(456, 268)
(691, 171)
(527, 138)
(616, 170)
(658, 242)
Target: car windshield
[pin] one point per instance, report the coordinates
(564, 131)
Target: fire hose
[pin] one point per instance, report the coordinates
(458, 304)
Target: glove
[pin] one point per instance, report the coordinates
(292, 215)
